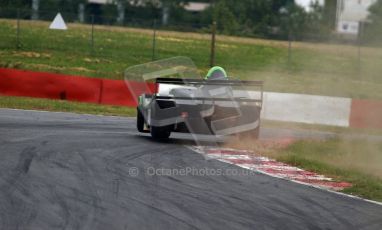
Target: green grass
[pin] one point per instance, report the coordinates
(320, 69)
(114, 50)
(64, 106)
(358, 162)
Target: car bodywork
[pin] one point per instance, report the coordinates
(212, 107)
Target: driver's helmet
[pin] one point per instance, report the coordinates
(216, 73)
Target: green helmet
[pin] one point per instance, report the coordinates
(216, 73)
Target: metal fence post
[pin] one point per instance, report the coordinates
(213, 41)
(154, 39)
(92, 36)
(289, 48)
(18, 45)
(360, 34)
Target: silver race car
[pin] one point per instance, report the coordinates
(212, 106)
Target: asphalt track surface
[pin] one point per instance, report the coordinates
(69, 171)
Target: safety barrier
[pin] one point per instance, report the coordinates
(309, 109)
(15, 82)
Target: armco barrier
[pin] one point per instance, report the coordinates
(277, 106)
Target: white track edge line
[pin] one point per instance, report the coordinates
(298, 182)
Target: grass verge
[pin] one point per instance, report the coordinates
(355, 161)
(358, 162)
(364, 185)
(64, 106)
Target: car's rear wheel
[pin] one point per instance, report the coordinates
(140, 121)
(160, 132)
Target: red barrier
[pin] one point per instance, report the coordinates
(73, 88)
(116, 92)
(49, 85)
(366, 114)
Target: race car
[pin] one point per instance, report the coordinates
(213, 106)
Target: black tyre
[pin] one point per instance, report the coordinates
(140, 121)
(160, 132)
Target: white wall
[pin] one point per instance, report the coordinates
(308, 109)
